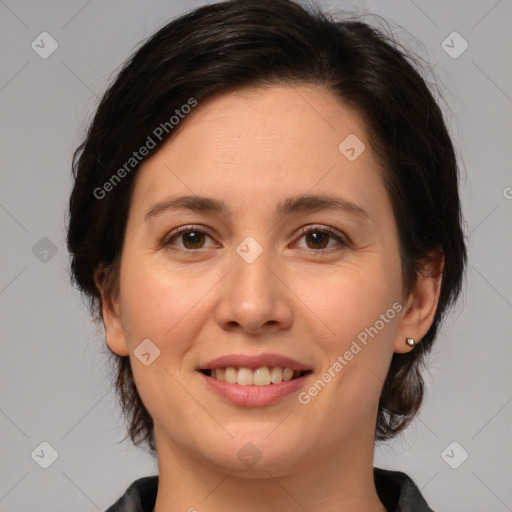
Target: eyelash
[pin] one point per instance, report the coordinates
(327, 230)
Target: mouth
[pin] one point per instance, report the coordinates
(254, 381)
(261, 376)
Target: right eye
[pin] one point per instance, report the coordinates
(191, 237)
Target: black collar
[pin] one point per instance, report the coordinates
(395, 489)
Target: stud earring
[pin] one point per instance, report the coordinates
(410, 342)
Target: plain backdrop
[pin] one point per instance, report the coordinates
(55, 385)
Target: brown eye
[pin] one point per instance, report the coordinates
(317, 239)
(190, 238)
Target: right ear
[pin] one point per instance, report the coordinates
(111, 314)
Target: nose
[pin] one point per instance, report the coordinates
(255, 297)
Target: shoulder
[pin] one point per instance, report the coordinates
(139, 497)
(398, 492)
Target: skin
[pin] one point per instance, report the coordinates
(252, 149)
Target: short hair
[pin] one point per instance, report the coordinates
(240, 44)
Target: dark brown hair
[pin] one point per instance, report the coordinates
(241, 43)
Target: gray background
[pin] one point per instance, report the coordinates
(54, 378)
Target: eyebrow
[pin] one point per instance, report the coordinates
(290, 205)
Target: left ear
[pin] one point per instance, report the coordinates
(421, 304)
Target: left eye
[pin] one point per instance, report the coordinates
(320, 237)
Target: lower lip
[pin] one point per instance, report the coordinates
(255, 396)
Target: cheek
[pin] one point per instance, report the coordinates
(166, 309)
(356, 310)
(347, 299)
(158, 304)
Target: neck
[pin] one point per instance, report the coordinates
(333, 482)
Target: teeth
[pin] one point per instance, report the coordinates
(230, 375)
(262, 376)
(244, 377)
(287, 374)
(276, 375)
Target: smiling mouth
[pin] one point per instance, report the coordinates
(262, 376)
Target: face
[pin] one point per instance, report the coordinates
(247, 281)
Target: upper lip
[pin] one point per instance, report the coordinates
(256, 361)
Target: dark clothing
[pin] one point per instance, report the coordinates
(396, 490)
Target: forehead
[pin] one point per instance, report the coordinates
(270, 122)
(268, 141)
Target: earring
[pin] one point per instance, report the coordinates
(410, 342)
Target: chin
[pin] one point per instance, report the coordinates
(260, 453)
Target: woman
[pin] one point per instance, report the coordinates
(266, 218)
